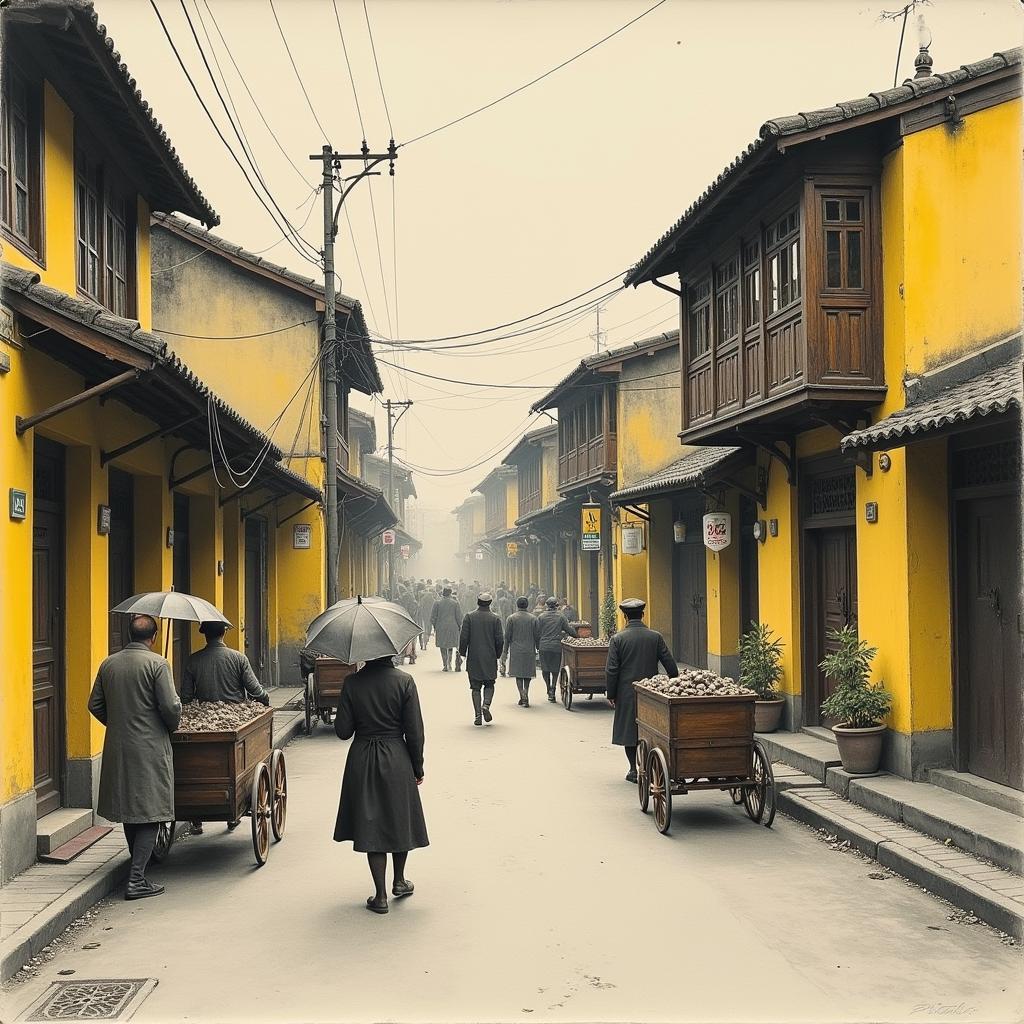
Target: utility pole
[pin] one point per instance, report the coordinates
(402, 408)
(597, 335)
(332, 161)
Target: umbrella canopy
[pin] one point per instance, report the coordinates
(172, 604)
(361, 629)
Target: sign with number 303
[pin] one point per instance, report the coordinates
(717, 530)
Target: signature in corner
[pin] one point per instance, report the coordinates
(943, 1010)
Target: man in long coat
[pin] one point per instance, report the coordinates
(134, 697)
(522, 637)
(426, 602)
(553, 626)
(481, 644)
(633, 654)
(446, 620)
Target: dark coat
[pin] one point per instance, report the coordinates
(446, 618)
(553, 626)
(380, 808)
(481, 643)
(134, 697)
(522, 635)
(426, 605)
(633, 654)
(219, 673)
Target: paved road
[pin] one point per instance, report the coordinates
(546, 895)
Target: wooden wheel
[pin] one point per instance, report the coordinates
(643, 784)
(760, 797)
(565, 683)
(279, 796)
(259, 812)
(660, 786)
(164, 841)
(310, 704)
(327, 715)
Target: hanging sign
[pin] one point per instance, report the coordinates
(679, 531)
(406, 550)
(302, 536)
(388, 537)
(632, 540)
(717, 530)
(590, 527)
(512, 549)
(479, 556)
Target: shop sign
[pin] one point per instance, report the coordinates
(19, 504)
(406, 550)
(717, 530)
(479, 556)
(512, 549)
(590, 527)
(632, 540)
(8, 333)
(388, 537)
(302, 536)
(103, 520)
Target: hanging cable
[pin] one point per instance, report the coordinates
(376, 64)
(295, 68)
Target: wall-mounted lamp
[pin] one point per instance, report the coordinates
(679, 531)
(170, 537)
(760, 531)
(885, 462)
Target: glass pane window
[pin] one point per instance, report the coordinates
(784, 262)
(700, 318)
(752, 298)
(727, 321)
(833, 259)
(854, 275)
(844, 242)
(832, 208)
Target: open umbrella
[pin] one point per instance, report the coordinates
(171, 604)
(361, 629)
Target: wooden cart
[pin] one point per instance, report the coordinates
(690, 743)
(582, 672)
(224, 776)
(323, 689)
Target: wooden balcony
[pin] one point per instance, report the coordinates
(588, 463)
(529, 502)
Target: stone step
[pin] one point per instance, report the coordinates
(809, 754)
(70, 850)
(991, 793)
(980, 830)
(60, 827)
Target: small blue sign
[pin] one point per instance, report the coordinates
(19, 504)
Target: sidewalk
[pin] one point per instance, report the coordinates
(43, 901)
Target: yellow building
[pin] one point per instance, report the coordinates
(537, 552)
(105, 451)
(252, 329)
(500, 490)
(850, 323)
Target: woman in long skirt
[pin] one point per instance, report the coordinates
(522, 635)
(380, 809)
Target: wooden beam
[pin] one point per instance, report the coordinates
(105, 456)
(22, 424)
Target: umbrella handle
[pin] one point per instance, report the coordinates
(167, 639)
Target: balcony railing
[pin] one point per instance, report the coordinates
(529, 502)
(590, 461)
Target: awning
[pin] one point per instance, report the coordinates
(986, 396)
(549, 511)
(404, 537)
(698, 469)
(364, 506)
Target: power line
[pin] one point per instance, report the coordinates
(235, 337)
(295, 68)
(376, 64)
(533, 81)
(348, 64)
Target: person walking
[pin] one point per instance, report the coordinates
(380, 810)
(134, 697)
(633, 654)
(522, 637)
(481, 644)
(446, 620)
(569, 612)
(553, 626)
(426, 602)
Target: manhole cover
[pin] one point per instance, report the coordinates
(105, 999)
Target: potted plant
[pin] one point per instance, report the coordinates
(760, 671)
(609, 618)
(857, 705)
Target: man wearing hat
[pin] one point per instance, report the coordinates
(553, 626)
(481, 644)
(633, 654)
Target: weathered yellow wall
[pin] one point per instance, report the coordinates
(659, 568)
(549, 472)
(234, 575)
(511, 502)
(723, 589)
(302, 576)
(648, 419)
(630, 571)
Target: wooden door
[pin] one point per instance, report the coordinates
(182, 579)
(120, 555)
(593, 591)
(48, 700)
(690, 595)
(989, 635)
(255, 595)
(833, 599)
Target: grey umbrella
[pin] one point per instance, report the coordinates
(361, 629)
(172, 604)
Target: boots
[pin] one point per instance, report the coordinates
(522, 696)
(477, 708)
(446, 659)
(458, 661)
(486, 705)
(549, 682)
(526, 693)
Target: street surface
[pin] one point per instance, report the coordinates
(545, 895)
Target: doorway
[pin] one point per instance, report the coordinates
(48, 660)
(690, 589)
(828, 503)
(989, 612)
(182, 579)
(749, 610)
(256, 596)
(120, 554)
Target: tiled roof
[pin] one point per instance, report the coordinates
(992, 393)
(689, 471)
(781, 127)
(550, 509)
(532, 437)
(599, 359)
(499, 472)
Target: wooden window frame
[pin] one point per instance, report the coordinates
(783, 236)
(845, 227)
(31, 243)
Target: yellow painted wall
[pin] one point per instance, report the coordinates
(630, 571)
(659, 568)
(723, 589)
(549, 472)
(511, 501)
(648, 419)
(234, 575)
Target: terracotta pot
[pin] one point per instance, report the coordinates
(860, 749)
(767, 715)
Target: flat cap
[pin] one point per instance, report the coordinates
(552, 602)
(484, 598)
(633, 604)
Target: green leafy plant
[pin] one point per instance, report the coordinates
(760, 657)
(609, 618)
(855, 702)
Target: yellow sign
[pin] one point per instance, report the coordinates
(512, 549)
(590, 528)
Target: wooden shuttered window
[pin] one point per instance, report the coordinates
(20, 161)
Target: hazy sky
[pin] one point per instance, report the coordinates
(534, 200)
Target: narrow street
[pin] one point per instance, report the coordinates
(546, 895)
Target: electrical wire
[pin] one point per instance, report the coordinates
(376, 64)
(533, 81)
(348, 64)
(295, 68)
(235, 337)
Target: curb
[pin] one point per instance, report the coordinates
(51, 922)
(288, 733)
(989, 906)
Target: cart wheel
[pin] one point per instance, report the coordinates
(259, 812)
(326, 715)
(309, 705)
(566, 690)
(643, 782)
(279, 800)
(763, 767)
(737, 795)
(757, 797)
(660, 787)
(164, 841)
